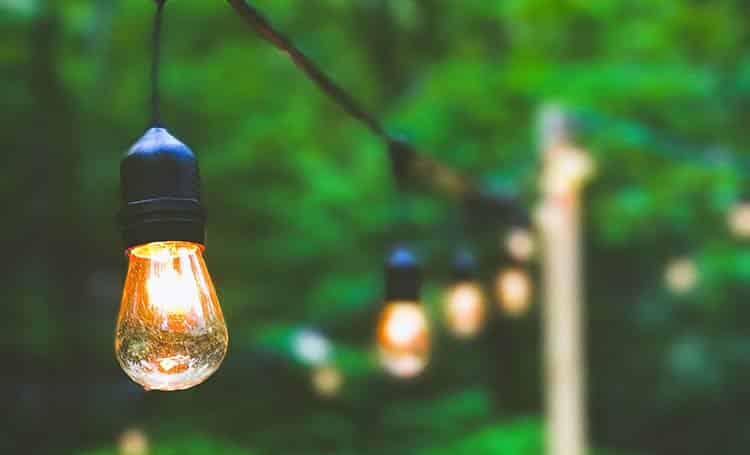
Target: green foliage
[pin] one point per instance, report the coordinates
(302, 211)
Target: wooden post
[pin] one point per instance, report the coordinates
(565, 170)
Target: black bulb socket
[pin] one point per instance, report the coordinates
(464, 266)
(160, 189)
(403, 276)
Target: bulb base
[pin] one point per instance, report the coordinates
(403, 277)
(160, 187)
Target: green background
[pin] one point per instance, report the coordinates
(302, 211)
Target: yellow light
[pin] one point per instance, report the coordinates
(403, 339)
(681, 275)
(170, 333)
(739, 220)
(567, 169)
(513, 287)
(520, 244)
(132, 442)
(464, 309)
(327, 381)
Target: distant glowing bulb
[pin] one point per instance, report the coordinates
(568, 169)
(464, 309)
(739, 220)
(170, 332)
(514, 290)
(132, 442)
(681, 275)
(520, 244)
(327, 381)
(311, 347)
(403, 339)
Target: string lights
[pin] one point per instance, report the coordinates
(463, 303)
(133, 441)
(739, 219)
(403, 334)
(681, 275)
(170, 332)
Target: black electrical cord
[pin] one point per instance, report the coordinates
(156, 64)
(406, 161)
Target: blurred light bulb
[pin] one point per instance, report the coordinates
(568, 168)
(513, 287)
(403, 339)
(681, 275)
(170, 332)
(739, 220)
(327, 381)
(311, 347)
(464, 309)
(132, 442)
(520, 244)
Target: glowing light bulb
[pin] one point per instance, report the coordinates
(567, 170)
(520, 244)
(327, 381)
(739, 220)
(311, 347)
(681, 275)
(170, 332)
(403, 339)
(464, 309)
(132, 442)
(514, 289)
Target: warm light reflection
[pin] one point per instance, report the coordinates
(403, 339)
(170, 331)
(681, 275)
(132, 442)
(464, 309)
(514, 288)
(327, 381)
(520, 244)
(739, 220)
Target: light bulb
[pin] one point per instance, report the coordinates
(170, 332)
(327, 381)
(681, 275)
(403, 338)
(520, 244)
(464, 309)
(513, 288)
(311, 347)
(739, 220)
(132, 442)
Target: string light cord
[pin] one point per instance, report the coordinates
(408, 163)
(156, 63)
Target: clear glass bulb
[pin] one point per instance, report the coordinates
(514, 290)
(403, 339)
(464, 309)
(170, 332)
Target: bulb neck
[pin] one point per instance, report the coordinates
(160, 186)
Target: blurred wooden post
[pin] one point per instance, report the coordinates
(565, 169)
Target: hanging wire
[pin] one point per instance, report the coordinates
(156, 64)
(404, 156)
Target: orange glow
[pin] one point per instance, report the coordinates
(170, 332)
(404, 339)
(514, 291)
(464, 309)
